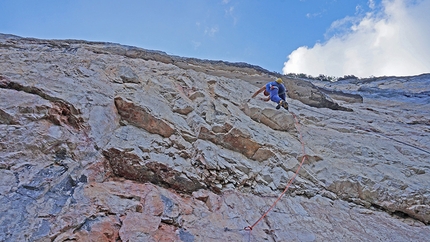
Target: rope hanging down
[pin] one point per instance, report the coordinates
(249, 228)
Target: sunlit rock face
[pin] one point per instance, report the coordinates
(104, 142)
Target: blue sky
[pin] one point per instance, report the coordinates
(330, 37)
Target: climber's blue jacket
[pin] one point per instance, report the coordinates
(277, 92)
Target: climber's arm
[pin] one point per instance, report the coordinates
(259, 91)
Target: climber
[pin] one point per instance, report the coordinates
(276, 92)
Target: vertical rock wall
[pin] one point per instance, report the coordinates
(103, 142)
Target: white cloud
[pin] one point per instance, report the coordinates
(211, 31)
(392, 40)
(230, 13)
(196, 44)
(314, 15)
(371, 4)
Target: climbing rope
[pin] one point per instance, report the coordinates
(297, 124)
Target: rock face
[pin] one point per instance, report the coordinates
(104, 142)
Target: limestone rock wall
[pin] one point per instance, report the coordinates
(103, 142)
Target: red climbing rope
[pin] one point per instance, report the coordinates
(249, 228)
